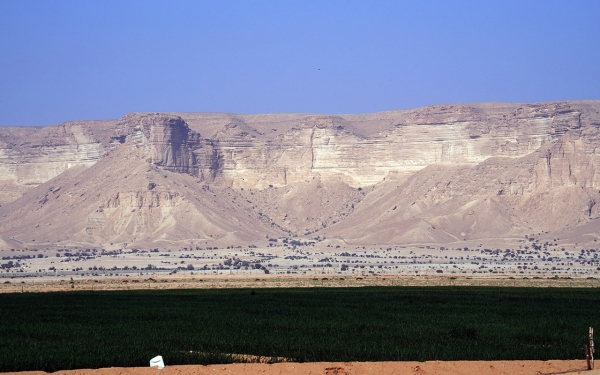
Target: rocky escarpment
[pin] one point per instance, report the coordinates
(433, 174)
(338, 148)
(251, 151)
(241, 154)
(124, 198)
(167, 140)
(551, 189)
(32, 156)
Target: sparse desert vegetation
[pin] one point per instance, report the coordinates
(532, 257)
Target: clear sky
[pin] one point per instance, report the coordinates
(67, 60)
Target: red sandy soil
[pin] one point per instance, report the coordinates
(353, 368)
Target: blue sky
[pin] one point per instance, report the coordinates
(73, 60)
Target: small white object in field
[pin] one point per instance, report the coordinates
(157, 361)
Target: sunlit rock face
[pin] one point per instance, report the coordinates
(433, 174)
(335, 148)
(32, 156)
(168, 141)
(245, 151)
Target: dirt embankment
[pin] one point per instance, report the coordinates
(37, 285)
(355, 368)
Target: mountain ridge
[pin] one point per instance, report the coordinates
(433, 175)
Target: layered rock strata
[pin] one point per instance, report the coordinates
(439, 173)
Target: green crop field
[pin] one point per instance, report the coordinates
(53, 331)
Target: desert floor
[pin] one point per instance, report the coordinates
(500, 258)
(354, 368)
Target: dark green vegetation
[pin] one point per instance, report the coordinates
(55, 331)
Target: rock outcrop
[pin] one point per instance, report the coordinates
(167, 140)
(432, 174)
(30, 156)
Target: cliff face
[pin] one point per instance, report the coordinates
(438, 173)
(333, 147)
(32, 156)
(167, 140)
(247, 153)
(552, 189)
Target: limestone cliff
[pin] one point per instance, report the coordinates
(167, 140)
(30, 156)
(432, 174)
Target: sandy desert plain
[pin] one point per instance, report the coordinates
(307, 262)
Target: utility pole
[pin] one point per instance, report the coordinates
(589, 350)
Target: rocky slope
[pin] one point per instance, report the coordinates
(433, 174)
